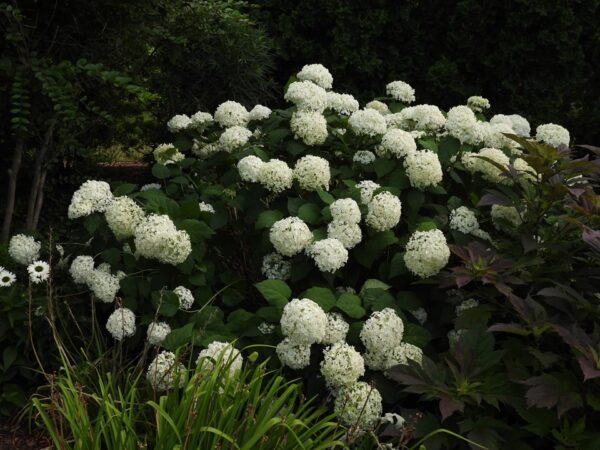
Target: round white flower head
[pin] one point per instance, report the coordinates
(7, 278)
(478, 104)
(104, 267)
(519, 124)
(505, 218)
(157, 332)
(312, 173)
(303, 321)
(345, 210)
(81, 268)
(465, 305)
(367, 188)
(342, 365)
(396, 420)
(367, 122)
(24, 249)
(344, 104)
(462, 124)
(223, 354)
(490, 172)
(307, 96)
(149, 186)
(526, 172)
(427, 118)
(206, 207)
(121, 323)
(376, 360)
(310, 126)
(384, 211)
(201, 119)
(275, 176)
(266, 328)
(230, 114)
(337, 329)
(39, 271)
(316, 73)
(397, 120)
(290, 236)
(420, 314)
(402, 353)
(274, 267)
(185, 296)
(178, 123)
(234, 137)
(203, 150)
(363, 157)
(156, 237)
(164, 371)
(423, 169)
(359, 405)
(329, 254)
(382, 331)
(378, 106)
(103, 284)
(293, 355)
(122, 216)
(249, 168)
(260, 112)
(167, 154)
(552, 134)
(396, 143)
(464, 220)
(426, 253)
(494, 136)
(349, 234)
(481, 234)
(400, 91)
(92, 196)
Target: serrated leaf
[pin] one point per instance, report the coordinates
(275, 292)
(350, 304)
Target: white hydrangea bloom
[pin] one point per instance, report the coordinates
(501, 214)
(481, 234)
(402, 353)
(349, 234)
(363, 157)
(423, 169)
(367, 122)
(344, 104)
(156, 237)
(488, 171)
(329, 254)
(494, 135)
(376, 360)
(426, 118)
(316, 73)
(519, 124)
(164, 370)
(478, 104)
(275, 267)
(345, 210)
(359, 405)
(400, 91)
(462, 124)
(185, 296)
(367, 188)
(24, 249)
(81, 268)
(123, 215)
(290, 236)
(464, 220)
(121, 323)
(266, 328)
(303, 321)
(157, 332)
(103, 284)
(92, 196)
(465, 305)
(427, 253)
(221, 353)
(249, 168)
(310, 126)
(420, 314)
(275, 176)
(382, 331)
(552, 134)
(234, 137)
(260, 112)
(230, 114)
(397, 120)
(178, 123)
(293, 355)
(206, 207)
(396, 420)
(201, 119)
(337, 329)
(307, 96)
(167, 154)
(312, 173)
(104, 267)
(378, 106)
(39, 271)
(384, 211)
(150, 186)
(203, 150)
(526, 172)
(342, 365)
(396, 143)
(7, 278)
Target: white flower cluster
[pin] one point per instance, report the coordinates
(402, 353)
(292, 354)
(378, 106)
(185, 297)
(462, 124)
(363, 157)
(222, 353)
(307, 96)
(526, 172)
(259, 112)
(24, 249)
(478, 104)
(249, 168)
(121, 323)
(231, 114)
(344, 104)
(164, 371)
(290, 236)
(384, 211)
(423, 169)
(7, 278)
(359, 405)
(150, 186)
(401, 91)
(519, 124)
(178, 123)
(467, 304)
(367, 122)
(312, 173)
(552, 134)
(39, 271)
(349, 234)
(203, 150)
(329, 254)
(381, 333)
(81, 268)
(367, 188)
(167, 154)
(103, 284)
(318, 74)
(427, 253)
(464, 220)
(275, 267)
(123, 215)
(342, 365)
(426, 118)
(396, 143)
(92, 196)
(490, 172)
(309, 126)
(275, 175)
(156, 237)
(337, 329)
(345, 210)
(234, 137)
(206, 207)
(505, 218)
(303, 321)
(201, 119)
(494, 136)
(157, 332)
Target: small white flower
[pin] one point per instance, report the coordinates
(81, 268)
(423, 169)
(274, 266)
(259, 112)
(266, 328)
(309, 126)
(234, 137)
(363, 157)
(122, 216)
(467, 304)
(121, 323)
(206, 207)
(401, 91)
(178, 123)
(39, 271)
(337, 329)
(316, 73)
(344, 104)
(478, 104)
(367, 188)
(7, 278)
(157, 332)
(150, 186)
(167, 154)
(307, 96)
(464, 220)
(185, 296)
(396, 143)
(201, 119)
(349, 234)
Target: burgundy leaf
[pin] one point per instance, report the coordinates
(449, 406)
(589, 369)
(494, 198)
(463, 280)
(513, 328)
(548, 392)
(592, 238)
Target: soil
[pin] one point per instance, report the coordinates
(19, 437)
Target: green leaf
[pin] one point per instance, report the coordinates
(397, 265)
(415, 200)
(9, 355)
(447, 147)
(161, 172)
(426, 225)
(267, 218)
(325, 196)
(374, 284)
(416, 335)
(197, 229)
(111, 256)
(124, 189)
(310, 213)
(91, 223)
(278, 135)
(295, 148)
(350, 304)
(383, 167)
(179, 337)
(321, 296)
(370, 249)
(269, 313)
(276, 292)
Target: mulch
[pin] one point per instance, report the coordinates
(19, 437)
